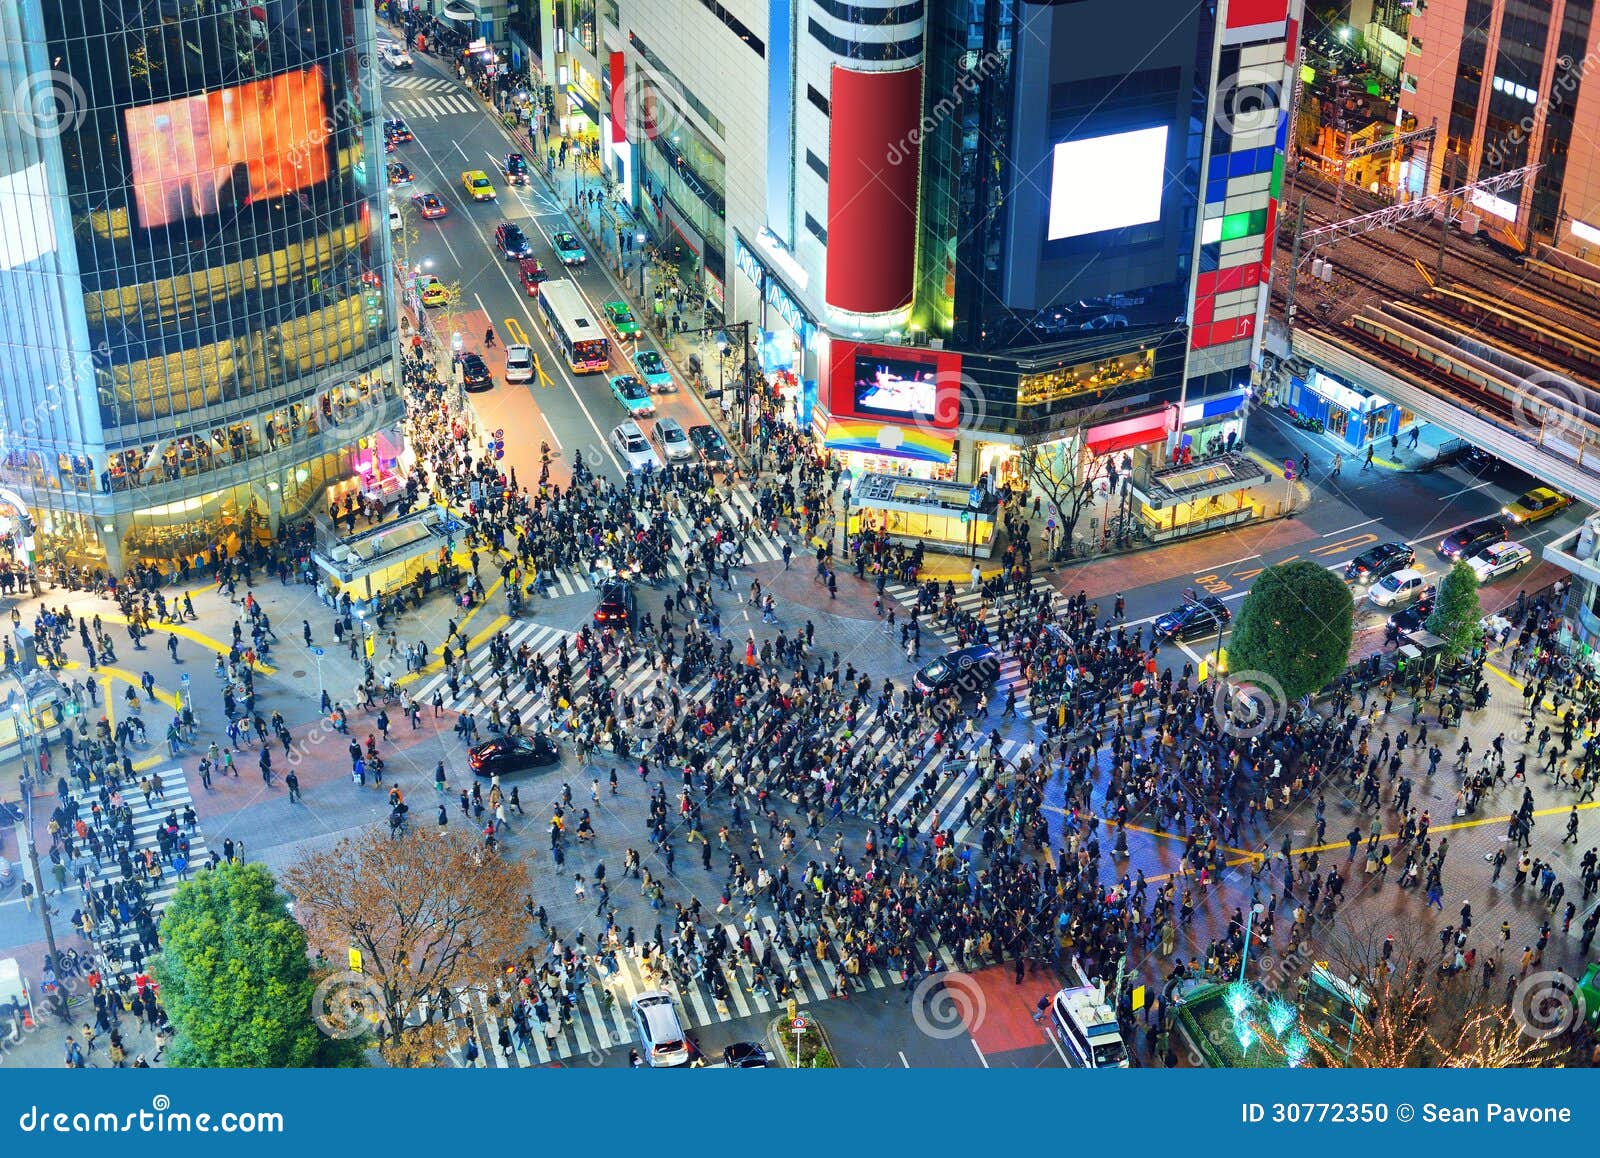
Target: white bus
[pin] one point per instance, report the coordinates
(1089, 1029)
(578, 335)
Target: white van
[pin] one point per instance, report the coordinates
(659, 1031)
(1088, 1028)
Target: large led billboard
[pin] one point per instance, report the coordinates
(895, 388)
(223, 150)
(1108, 182)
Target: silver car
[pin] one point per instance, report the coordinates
(671, 440)
(632, 448)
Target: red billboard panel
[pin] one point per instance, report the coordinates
(904, 385)
(873, 156)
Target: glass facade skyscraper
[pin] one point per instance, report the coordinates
(194, 275)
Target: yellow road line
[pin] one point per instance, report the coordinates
(184, 631)
(1560, 810)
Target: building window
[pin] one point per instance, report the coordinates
(852, 50)
(818, 99)
(814, 163)
(817, 231)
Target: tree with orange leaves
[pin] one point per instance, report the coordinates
(431, 915)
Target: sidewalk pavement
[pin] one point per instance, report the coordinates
(1395, 454)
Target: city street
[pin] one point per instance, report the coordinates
(961, 801)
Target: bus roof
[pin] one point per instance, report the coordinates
(563, 301)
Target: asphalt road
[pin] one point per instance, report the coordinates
(576, 411)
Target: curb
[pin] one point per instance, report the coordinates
(778, 1029)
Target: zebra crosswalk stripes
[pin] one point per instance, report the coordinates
(1010, 677)
(147, 818)
(427, 108)
(600, 1018)
(414, 83)
(757, 548)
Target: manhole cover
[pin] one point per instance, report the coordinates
(299, 675)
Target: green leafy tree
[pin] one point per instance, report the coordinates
(1295, 627)
(235, 978)
(1458, 611)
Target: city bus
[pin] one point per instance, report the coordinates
(572, 329)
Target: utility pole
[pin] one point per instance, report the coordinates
(23, 714)
(1294, 262)
(1444, 219)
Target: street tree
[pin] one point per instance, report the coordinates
(234, 975)
(1294, 627)
(431, 915)
(1055, 470)
(1458, 610)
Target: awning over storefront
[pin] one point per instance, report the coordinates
(1115, 436)
(866, 437)
(1337, 392)
(1209, 409)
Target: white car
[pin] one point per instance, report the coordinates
(396, 222)
(519, 363)
(633, 448)
(670, 439)
(396, 57)
(1499, 559)
(1399, 589)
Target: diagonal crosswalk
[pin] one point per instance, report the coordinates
(413, 83)
(1011, 676)
(428, 108)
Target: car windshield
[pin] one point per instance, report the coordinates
(671, 434)
(649, 361)
(630, 388)
(635, 444)
(1109, 1053)
(566, 240)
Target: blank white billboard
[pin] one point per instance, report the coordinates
(1111, 182)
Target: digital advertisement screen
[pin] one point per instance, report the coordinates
(895, 388)
(1110, 182)
(227, 149)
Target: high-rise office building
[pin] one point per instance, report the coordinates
(198, 303)
(1507, 84)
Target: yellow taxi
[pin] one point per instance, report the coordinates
(1539, 503)
(476, 183)
(433, 292)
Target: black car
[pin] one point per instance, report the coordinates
(1376, 562)
(710, 444)
(512, 243)
(516, 169)
(475, 372)
(746, 1055)
(969, 670)
(618, 604)
(1412, 618)
(1465, 542)
(1196, 619)
(512, 754)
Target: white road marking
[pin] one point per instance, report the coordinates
(979, 1052)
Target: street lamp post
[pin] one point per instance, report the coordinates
(639, 240)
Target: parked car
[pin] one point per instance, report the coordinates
(519, 363)
(653, 369)
(1539, 503)
(1464, 542)
(1399, 588)
(475, 372)
(633, 448)
(1376, 562)
(671, 441)
(618, 604)
(633, 394)
(512, 243)
(506, 754)
(1195, 619)
(712, 447)
(1499, 559)
(968, 670)
(433, 292)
